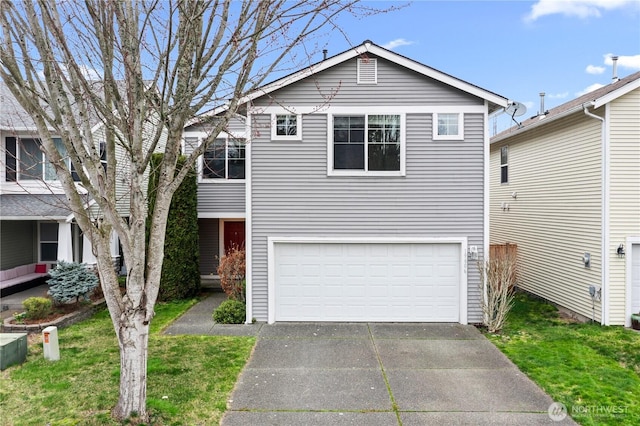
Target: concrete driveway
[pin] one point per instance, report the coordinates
(382, 374)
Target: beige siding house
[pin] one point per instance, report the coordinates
(565, 187)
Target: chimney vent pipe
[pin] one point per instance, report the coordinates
(324, 54)
(615, 78)
(541, 103)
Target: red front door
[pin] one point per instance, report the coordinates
(233, 235)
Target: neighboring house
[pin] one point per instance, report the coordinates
(363, 183)
(36, 223)
(565, 185)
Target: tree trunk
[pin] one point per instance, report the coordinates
(133, 338)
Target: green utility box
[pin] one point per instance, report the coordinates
(13, 349)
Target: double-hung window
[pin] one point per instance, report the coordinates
(224, 159)
(504, 164)
(367, 144)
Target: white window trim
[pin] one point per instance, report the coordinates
(226, 180)
(403, 128)
(276, 137)
(457, 137)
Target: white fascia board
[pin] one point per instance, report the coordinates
(31, 218)
(383, 53)
(616, 93)
(437, 75)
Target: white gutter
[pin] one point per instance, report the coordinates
(604, 320)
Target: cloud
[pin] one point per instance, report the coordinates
(397, 43)
(592, 69)
(558, 95)
(576, 8)
(594, 86)
(632, 62)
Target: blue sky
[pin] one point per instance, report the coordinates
(514, 48)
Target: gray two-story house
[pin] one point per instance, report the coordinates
(362, 185)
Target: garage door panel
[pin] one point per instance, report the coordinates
(366, 282)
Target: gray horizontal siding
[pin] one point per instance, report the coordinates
(440, 196)
(228, 197)
(396, 86)
(18, 242)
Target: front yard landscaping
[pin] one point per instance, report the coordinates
(593, 370)
(189, 377)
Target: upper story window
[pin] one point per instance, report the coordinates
(504, 164)
(25, 160)
(367, 144)
(448, 126)
(286, 127)
(224, 159)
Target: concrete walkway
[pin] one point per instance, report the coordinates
(372, 374)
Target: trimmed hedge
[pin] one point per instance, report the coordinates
(181, 265)
(230, 312)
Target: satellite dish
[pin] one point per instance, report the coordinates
(516, 109)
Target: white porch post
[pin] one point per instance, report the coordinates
(115, 248)
(65, 248)
(87, 253)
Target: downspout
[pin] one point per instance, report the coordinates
(604, 320)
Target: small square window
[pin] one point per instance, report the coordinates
(286, 127)
(448, 126)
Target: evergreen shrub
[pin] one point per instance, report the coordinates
(181, 265)
(37, 307)
(230, 312)
(71, 281)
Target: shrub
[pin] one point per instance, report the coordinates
(232, 272)
(37, 307)
(230, 312)
(71, 281)
(497, 282)
(180, 277)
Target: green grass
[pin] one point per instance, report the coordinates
(593, 370)
(189, 377)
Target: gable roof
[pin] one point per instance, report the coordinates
(594, 99)
(495, 101)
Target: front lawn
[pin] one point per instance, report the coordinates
(189, 377)
(593, 370)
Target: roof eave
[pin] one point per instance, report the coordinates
(495, 101)
(541, 122)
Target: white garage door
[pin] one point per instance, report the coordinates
(367, 282)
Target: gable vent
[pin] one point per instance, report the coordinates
(367, 71)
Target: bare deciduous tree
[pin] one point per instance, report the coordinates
(142, 69)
